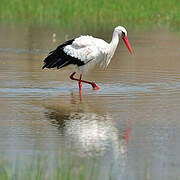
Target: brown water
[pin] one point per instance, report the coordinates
(132, 124)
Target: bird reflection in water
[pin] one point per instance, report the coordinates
(87, 131)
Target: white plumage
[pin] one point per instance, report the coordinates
(86, 51)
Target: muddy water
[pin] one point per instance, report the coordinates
(132, 124)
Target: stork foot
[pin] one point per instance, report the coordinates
(94, 85)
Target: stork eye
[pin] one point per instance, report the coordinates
(123, 33)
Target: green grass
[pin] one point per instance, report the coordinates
(93, 14)
(39, 167)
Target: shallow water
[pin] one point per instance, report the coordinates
(131, 124)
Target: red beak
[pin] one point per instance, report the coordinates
(127, 44)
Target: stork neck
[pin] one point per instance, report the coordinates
(114, 42)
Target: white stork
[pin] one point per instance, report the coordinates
(84, 52)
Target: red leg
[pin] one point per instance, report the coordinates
(72, 76)
(80, 84)
(80, 87)
(93, 84)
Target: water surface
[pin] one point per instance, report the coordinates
(131, 125)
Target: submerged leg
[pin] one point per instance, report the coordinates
(93, 84)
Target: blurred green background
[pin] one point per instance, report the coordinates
(88, 14)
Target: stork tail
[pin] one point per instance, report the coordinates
(58, 58)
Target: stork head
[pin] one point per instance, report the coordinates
(122, 32)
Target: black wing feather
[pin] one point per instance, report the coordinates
(58, 58)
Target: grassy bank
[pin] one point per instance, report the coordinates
(40, 167)
(93, 14)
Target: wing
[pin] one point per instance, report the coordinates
(86, 49)
(58, 58)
